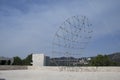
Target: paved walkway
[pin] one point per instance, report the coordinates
(56, 75)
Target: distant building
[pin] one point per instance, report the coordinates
(6, 61)
(69, 61)
(40, 60)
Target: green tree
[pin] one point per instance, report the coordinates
(27, 60)
(101, 60)
(17, 61)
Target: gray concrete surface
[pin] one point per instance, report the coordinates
(48, 73)
(15, 67)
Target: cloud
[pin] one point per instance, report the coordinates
(27, 27)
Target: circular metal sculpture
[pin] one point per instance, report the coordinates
(70, 40)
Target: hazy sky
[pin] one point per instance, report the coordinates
(28, 26)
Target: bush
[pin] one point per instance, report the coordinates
(101, 60)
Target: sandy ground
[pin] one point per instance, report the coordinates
(56, 75)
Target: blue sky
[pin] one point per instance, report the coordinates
(28, 26)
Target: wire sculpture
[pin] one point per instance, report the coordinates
(70, 40)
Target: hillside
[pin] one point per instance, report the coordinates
(115, 57)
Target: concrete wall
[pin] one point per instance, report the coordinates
(38, 59)
(67, 69)
(76, 69)
(5, 67)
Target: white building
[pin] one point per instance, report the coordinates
(40, 60)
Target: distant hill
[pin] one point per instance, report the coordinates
(115, 57)
(84, 61)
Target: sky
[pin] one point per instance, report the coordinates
(29, 26)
